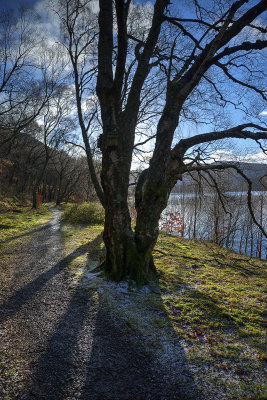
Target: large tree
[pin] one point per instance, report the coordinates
(189, 55)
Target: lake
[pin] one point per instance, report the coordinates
(203, 216)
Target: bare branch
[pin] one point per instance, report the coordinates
(236, 132)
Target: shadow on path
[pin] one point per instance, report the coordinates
(77, 350)
(44, 228)
(14, 303)
(89, 357)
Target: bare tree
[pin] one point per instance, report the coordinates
(29, 71)
(54, 126)
(189, 59)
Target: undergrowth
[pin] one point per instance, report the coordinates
(10, 202)
(85, 213)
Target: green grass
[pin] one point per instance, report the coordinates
(21, 221)
(210, 289)
(209, 299)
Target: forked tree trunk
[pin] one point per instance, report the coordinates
(121, 255)
(129, 254)
(125, 256)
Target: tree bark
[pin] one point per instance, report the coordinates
(118, 235)
(125, 257)
(151, 199)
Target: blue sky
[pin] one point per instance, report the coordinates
(241, 145)
(17, 3)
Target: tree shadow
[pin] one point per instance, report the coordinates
(212, 313)
(238, 265)
(94, 355)
(14, 303)
(125, 369)
(59, 371)
(42, 228)
(3, 226)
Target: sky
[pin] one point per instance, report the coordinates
(238, 146)
(16, 3)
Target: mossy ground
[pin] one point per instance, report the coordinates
(207, 303)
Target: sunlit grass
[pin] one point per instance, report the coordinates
(215, 300)
(21, 220)
(210, 288)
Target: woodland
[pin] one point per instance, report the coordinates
(120, 81)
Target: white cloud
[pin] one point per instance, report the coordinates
(49, 22)
(257, 158)
(264, 112)
(94, 5)
(219, 155)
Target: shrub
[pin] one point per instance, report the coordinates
(86, 213)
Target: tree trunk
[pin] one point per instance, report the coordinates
(118, 235)
(128, 253)
(34, 198)
(150, 201)
(44, 192)
(118, 238)
(59, 198)
(124, 257)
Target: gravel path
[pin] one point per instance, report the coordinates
(61, 342)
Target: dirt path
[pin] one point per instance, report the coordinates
(61, 343)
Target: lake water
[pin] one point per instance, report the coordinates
(230, 225)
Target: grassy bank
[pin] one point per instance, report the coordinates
(19, 220)
(204, 314)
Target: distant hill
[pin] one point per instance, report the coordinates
(229, 179)
(255, 172)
